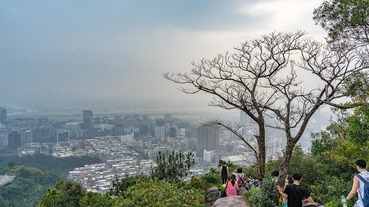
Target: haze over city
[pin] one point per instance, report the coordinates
(97, 54)
(184, 103)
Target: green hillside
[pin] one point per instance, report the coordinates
(30, 183)
(59, 166)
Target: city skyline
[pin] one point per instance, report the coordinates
(73, 53)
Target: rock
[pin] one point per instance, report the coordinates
(313, 205)
(233, 201)
(212, 189)
(212, 196)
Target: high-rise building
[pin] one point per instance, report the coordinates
(14, 140)
(26, 136)
(173, 131)
(3, 115)
(160, 131)
(88, 120)
(207, 139)
(43, 135)
(3, 137)
(208, 156)
(62, 135)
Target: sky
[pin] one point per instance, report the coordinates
(91, 52)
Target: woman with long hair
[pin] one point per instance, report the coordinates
(232, 186)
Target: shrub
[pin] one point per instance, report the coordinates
(173, 168)
(211, 178)
(259, 198)
(160, 193)
(120, 186)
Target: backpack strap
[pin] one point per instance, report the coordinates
(362, 179)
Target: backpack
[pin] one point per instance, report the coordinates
(365, 199)
(240, 182)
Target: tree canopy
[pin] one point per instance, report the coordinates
(174, 167)
(344, 20)
(265, 77)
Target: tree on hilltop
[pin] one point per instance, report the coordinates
(344, 20)
(174, 167)
(266, 77)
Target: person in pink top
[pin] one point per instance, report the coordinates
(232, 186)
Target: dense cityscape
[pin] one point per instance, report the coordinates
(127, 144)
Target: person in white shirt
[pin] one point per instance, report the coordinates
(358, 185)
(239, 174)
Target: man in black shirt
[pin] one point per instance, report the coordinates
(296, 194)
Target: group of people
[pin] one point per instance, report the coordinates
(293, 194)
(236, 180)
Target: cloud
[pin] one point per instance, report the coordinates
(285, 15)
(119, 49)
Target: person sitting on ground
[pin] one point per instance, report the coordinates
(248, 184)
(232, 186)
(255, 182)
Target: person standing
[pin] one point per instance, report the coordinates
(239, 176)
(224, 172)
(296, 194)
(358, 184)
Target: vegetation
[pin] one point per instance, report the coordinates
(161, 193)
(249, 80)
(68, 193)
(59, 166)
(176, 166)
(253, 80)
(120, 187)
(131, 191)
(35, 174)
(344, 20)
(30, 183)
(259, 197)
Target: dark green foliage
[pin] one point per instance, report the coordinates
(96, 200)
(160, 193)
(344, 19)
(258, 197)
(65, 193)
(197, 183)
(68, 193)
(28, 186)
(59, 166)
(176, 166)
(212, 178)
(120, 186)
(356, 86)
(270, 189)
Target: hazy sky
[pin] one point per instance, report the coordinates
(65, 51)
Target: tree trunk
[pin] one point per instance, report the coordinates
(287, 158)
(262, 155)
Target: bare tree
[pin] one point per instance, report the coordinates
(261, 79)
